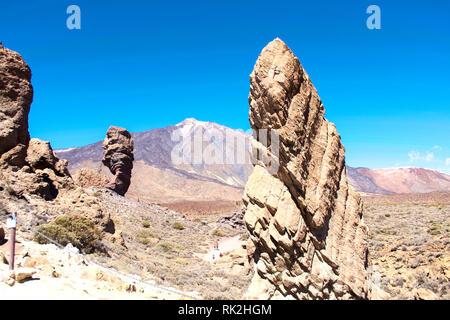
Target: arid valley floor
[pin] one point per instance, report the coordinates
(408, 238)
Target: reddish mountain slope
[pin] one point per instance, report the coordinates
(398, 180)
(157, 178)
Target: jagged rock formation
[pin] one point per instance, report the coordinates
(304, 220)
(27, 166)
(118, 156)
(16, 95)
(30, 167)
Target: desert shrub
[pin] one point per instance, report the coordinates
(116, 221)
(178, 226)
(437, 228)
(218, 232)
(166, 247)
(181, 261)
(144, 235)
(75, 229)
(146, 224)
(144, 241)
(388, 230)
(434, 231)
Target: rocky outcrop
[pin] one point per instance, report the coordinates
(118, 157)
(16, 95)
(304, 220)
(86, 178)
(28, 167)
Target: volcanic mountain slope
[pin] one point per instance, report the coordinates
(398, 180)
(151, 243)
(156, 177)
(154, 148)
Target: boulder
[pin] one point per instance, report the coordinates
(33, 262)
(22, 274)
(424, 294)
(118, 156)
(303, 218)
(86, 178)
(40, 155)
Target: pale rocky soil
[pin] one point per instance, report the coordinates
(203, 207)
(157, 185)
(225, 246)
(170, 249)
(409, 248)
(409, 244)
(158, 245)
(63, 274)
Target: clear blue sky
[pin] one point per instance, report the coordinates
(145, 64)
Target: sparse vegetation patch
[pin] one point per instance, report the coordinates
(218, 233)
(178, 226)
(75, 229)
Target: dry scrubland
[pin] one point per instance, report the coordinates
(203, 207)
(156, 244)
(409, 243)
(169, 247)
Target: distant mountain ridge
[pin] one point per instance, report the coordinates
(153, 149)
(361, 181)
(157, 179)
(398, 180)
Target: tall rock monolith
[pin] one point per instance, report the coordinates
(304, 220)
(118, 156)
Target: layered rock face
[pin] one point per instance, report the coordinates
(118, 156)
(304, 220)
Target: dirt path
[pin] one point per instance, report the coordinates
(225, 245)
